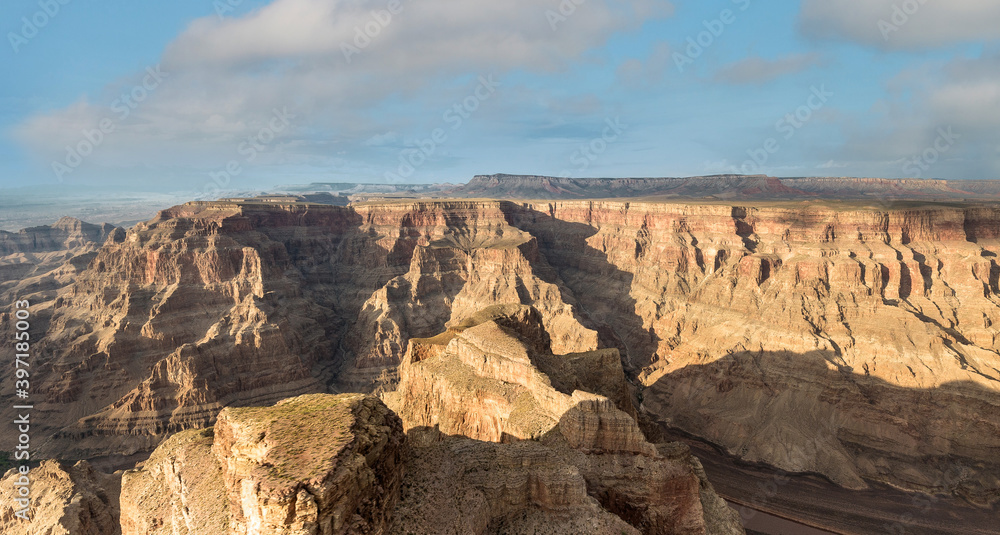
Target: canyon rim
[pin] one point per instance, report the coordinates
(527, 365)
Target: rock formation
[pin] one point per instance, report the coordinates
(842, 340)
(315, 464)
(322, 464)
(493, 378)
(856, 340)
(65, 500)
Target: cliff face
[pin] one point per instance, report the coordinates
(216, 304)
(65, 500)
(67, 233)
(308, 465)
(837, 338)
(494, 379)
(852, 343)
(36, 263)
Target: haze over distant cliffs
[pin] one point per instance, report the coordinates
(728, 187)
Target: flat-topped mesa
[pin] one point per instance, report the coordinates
(743, 187)
(311, 464)
(67, 233)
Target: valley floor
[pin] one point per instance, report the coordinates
(813, 502)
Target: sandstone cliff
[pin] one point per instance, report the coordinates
(587, 466)
(843, 340)
(36, 263)
(853, 340)
(308, 465)
(65, 500)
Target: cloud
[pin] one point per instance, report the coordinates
(416, 36)
(758, 70)
(347, 70)
(901, 24)
(954, 106)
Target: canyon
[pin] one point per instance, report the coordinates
(850, 340)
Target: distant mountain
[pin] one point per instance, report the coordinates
(726, 187)
(67, 233)
(354, 188)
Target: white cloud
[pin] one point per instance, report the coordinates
(901, 24)
(954, 105)
(227, 76)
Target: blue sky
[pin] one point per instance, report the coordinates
(216, 95)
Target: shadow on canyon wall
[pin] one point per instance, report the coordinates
(580, 268)
(944, 439)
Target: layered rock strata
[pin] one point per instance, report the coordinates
(64, 500)
(308, 465)
(494, 379)
(850, 341)
(853, 340)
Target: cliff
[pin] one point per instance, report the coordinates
(308, 465)
(848, 339)
(810, 338)
(65, 500)
(67, 233)
(572, 457)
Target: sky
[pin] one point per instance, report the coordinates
(210, 96)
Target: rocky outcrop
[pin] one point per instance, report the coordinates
(179, 490)
(37, 263)
(856, 340)
(308, 465)
(65, 500)
(483, 379)
(493, 378)
(67, 233)
(809, 338)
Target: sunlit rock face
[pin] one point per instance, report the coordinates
(64, 499)
(854, 340)
(308, 465)
(571, 446)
